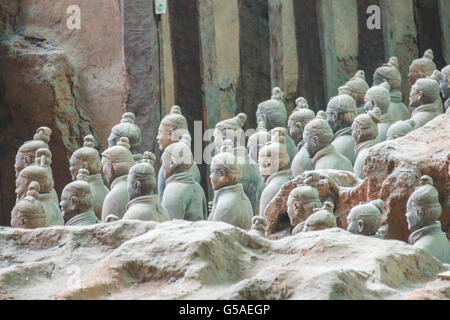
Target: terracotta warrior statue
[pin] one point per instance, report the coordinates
(439, 77)
(425, 100)
(356, 87)
(390, 73)
(88, 158)
(231, 130)
(318, 137)
(29, 213)
(172, 127)
(127, 128)
(298, 120)
(26, 154)
(274, 167)
(257, 140)
(144, 203)
(231, 204)
(273, 113)
(400, 129)
(365, 219)
(42, 174)
(183, 197)
(301, 203)
(76, 202)
(422, 67)
(378, 96)
(445, 87)
(341, 111)
(321, 219)
(116, 162)
(251, 179)
(422, 211)
(365, 132)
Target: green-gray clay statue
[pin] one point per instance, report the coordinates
(88, 158)
(230, 204)
(422, 211)
(41, 173)
(141, 183)
(365, 218)
(341, 111)
(365, 132)
(389, 72)
(116, 162)
(183, 197)
(318, 137)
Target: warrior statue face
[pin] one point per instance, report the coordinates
(267, 165)
(415, 216)
(167, 135)
(334, 118)
(171, 128)
(26, 154)
(414, 73)
(220, 177)
(225, 170)
(75, 165)
(341, 111)
(312, 143)
(86, 157)
(422, 67)
(117, 160)
(295, 129)
(272, 158)
(39, 172)
(70, 205)
(76, 197)
(134, 186)
(33, 173)
(415, 97)
(23, 160)
(22, 184)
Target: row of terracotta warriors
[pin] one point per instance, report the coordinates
(325, 141)
(87, 193)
